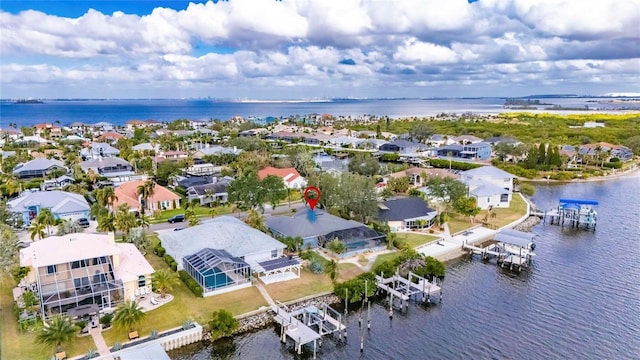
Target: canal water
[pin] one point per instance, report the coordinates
(580, 299)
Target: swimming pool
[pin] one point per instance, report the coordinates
(214, 278)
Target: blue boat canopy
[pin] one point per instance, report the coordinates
(578, 202)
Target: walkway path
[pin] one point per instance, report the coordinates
(96, 334)
(265, 294)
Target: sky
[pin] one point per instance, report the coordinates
(293, 49)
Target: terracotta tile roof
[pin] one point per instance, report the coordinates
(287, 174)
(110, 135)
(45, 126)
(127, 193)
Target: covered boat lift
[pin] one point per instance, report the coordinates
(513, 248)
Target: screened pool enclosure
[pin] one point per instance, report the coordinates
(217, 271)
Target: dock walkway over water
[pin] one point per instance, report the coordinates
(512, 248)
(307, 325)
(414, 287)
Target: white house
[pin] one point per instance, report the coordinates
(489, 185)
(226, 254)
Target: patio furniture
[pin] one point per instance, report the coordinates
(153, 301)
(61, 355)
(133, 335)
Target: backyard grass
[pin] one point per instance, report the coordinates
(414, 240)
(186, 306)
(458, 223)
(308, 284)
(23, 346)
(504, 216)
(385, 257)
(348, 271)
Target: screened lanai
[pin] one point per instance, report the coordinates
(355, 238)
(217, 271)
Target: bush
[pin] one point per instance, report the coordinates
(613, 164)
(106, 319)
(316, 266)
(160, 251)
(174, 266)
(222, 323)
(458, 165)
(563, 175)
(390, 157)
(193, 285)
(169, 260)
(527, 189)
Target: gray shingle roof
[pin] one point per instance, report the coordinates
(216, 188)
(301, 225)
(488, 189)
(405, 208)
(103, 162)
(38, 164)
(225, 233)
(57, 201)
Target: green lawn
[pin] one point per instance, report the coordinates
(459, 223)
(23, 346)
(200, 211)
(414, 240)
(348, 271)
(308, 284)
(186, 306)
(504, 216)
(385, 257)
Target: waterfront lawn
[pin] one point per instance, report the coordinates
(308, 284)
(348, 271)
(414, 239)
(385, 257)
(23, 346)
(458, 223)
(186, 306)
(504, 216)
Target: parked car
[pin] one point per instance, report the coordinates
(176, 218)
(84, 223)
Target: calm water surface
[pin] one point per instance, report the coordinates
(580, 300)
(120, 111)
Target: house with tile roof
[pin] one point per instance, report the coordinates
(290, 176)
(80, 274)
(47, 131)
(162, 198)
(110, 137)
(63, 205)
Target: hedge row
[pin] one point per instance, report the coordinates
(171, 262)
(193, 285)
(458, 165)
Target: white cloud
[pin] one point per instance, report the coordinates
(355, 45)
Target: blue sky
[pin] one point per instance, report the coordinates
(317, 49)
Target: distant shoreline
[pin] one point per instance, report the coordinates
(630, 172)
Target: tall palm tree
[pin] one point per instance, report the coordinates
(143, 221)
(56, 331)
(92, 176)
(125, 220)
(46, 217)
(164, 280)
(146, 191)
(107, 197)
(127, 315)
(37, 230)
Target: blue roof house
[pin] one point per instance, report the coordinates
(63, 205)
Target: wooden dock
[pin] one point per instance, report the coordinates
(307, 325)
(512, 248)
(414, 287)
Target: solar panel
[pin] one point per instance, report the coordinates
(278, 263)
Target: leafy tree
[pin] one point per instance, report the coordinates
(633, 143)
(366, 165)
(138, 237)
(68, 227)
(399, 185)
(244, 192)
(164, 280)
(337, 246)
(127, 315)
(256, 220)
(8, 248)
(166, 169)
(57, 330)
(447, 189)
(274, 190)
(467, 206)
(222, 323)
(421, 131)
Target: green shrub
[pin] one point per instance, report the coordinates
(563, 175)
(174, 266)
(193, 285)
(390, 157)
(458, 165)
(612, 165)
(316, 266)
(160, 251)
(614, 160)
(527, 189)
(168, 259)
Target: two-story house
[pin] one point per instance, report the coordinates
(490, 186)
(80, 274)
(113, 168)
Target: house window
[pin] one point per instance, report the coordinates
(79, 264)
(274, 253)
(504, 198)
(52, 269)
(142, 281)
(489, 199)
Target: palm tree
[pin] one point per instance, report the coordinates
(127, 315)
(92, 176)
(106, 223)
(164, 280)
(143, 221)
(46, 217)
(96, 210)
(56, 331)
(125, 220)
(146, 191)
(331, 268)
(107, 197)
(37, 230)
